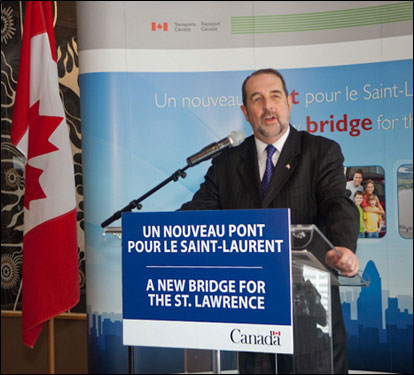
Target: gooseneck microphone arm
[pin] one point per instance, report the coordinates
(208, 152)
(136, 203)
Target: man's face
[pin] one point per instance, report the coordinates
(267, 107)
(357, 179)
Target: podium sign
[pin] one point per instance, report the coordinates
(218, 280)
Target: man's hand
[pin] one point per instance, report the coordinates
(347, 264)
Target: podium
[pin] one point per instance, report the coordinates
(312, 323)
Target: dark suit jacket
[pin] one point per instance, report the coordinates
(308, 178)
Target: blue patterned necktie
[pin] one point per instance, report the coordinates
(269, 168)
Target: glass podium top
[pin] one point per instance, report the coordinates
(307, 238)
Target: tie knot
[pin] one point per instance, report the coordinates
(270, 150)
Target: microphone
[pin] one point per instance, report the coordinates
(213, 149)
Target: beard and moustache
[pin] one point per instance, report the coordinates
(270, 131)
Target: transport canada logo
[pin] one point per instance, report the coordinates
(155, 26)
(271, 339)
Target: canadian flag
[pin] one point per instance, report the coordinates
(39, 131)
(157, 26)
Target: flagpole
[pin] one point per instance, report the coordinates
(51, 346)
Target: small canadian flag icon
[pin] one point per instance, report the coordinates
(159, 26)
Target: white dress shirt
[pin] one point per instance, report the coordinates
(262, 153)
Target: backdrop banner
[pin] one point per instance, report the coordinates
(161, 80)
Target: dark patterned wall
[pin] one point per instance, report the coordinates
(12, 163)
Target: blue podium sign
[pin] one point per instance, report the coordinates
(216, 280)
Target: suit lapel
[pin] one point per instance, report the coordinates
(249, 170)
(285, 166)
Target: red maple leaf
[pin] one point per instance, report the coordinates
(40, 130)
(33, 189)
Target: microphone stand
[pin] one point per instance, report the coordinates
(136, 203)
(206, 153)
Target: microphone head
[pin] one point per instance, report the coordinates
(236, 138)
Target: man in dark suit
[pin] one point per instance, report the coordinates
(307, 176)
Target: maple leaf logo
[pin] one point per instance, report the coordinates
(40, 129)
